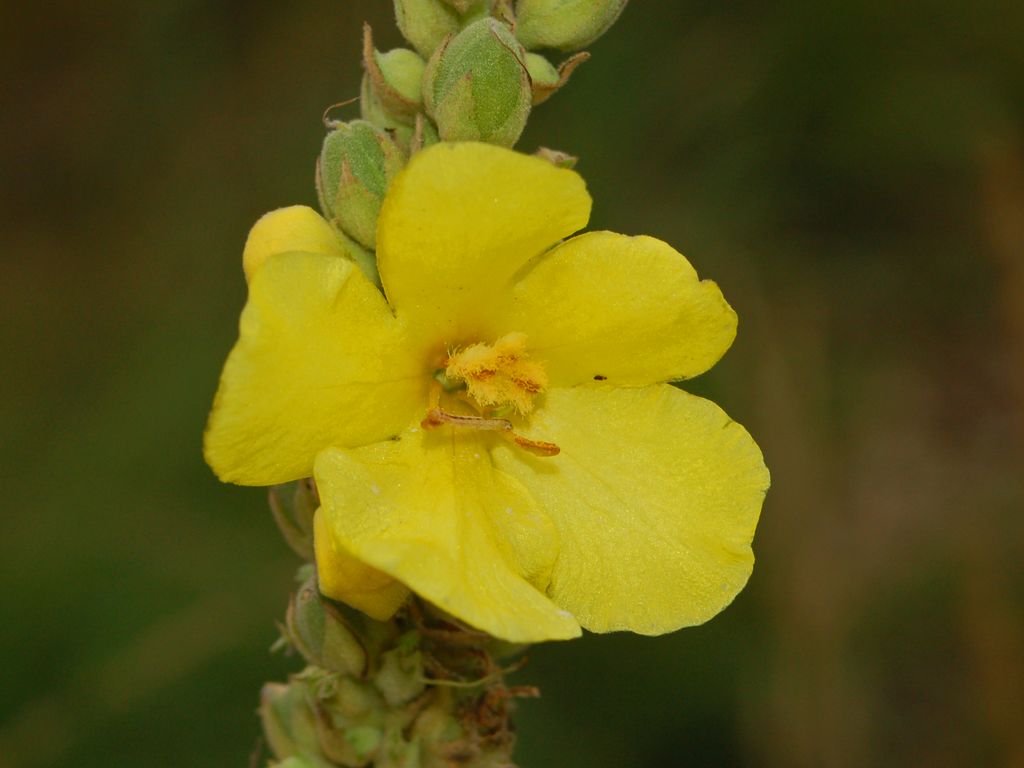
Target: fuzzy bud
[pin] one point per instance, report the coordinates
(394, 78)
(400, 677)
(293, 506)
(356, 166)
(426, 23)
(321, 635)
(567, 25)
(289, 723)
(476, 86)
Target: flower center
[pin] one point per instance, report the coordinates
(497, 380)
(499, 374)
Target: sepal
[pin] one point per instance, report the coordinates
(545, 79)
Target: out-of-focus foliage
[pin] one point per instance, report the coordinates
(852, 174)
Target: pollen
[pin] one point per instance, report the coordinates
(499, 374)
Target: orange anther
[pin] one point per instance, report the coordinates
(536, 447)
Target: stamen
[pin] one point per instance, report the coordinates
(536, 447)
(498, 374)
(438, 416)
(444, 382)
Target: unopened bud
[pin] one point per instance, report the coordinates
(426, 23)
(546, 79)
(439, 730)
(348, 739)
(567, 25)
(400, 678)
(289, 723)
(476, 86)
(295, 228)
(396, 752)
(321, 635)
(293, 506)
(356, 166)
(395, 77)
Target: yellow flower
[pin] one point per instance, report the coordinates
(495, 431)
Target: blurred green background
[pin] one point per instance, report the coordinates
(851, 173)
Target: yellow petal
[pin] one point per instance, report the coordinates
(460, 220)
(351, 581)
(431, 511)
(320, 361)
(629, 310)
(655, 496)
(296, 228)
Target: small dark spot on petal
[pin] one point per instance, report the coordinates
(599, 377)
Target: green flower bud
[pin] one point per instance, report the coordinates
(355, 746)
(400, 678)
(346, 739)
(443, 737)
(395, 78)
(426, 23)
(437, 724)
(293, 505)
(396, 752)
(289, 722)
(320, 634)
(356, 166)
(354, 701)
(365, 740)
(476, 87)
(567, 25)
(545, 79)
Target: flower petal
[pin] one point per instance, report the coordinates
(431, 511)
(655, 496)
(343, 577)
(295, 228)
(320, 361)
(629, 310)
(460, 220)
(300, 228)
